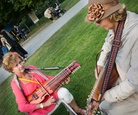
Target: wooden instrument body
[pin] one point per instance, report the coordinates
(50, 86)
(99, 82)
(96, 91)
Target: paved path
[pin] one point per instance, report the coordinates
(45, 33)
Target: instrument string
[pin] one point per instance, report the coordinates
(42, 88)
(41, 92)
(57, 77)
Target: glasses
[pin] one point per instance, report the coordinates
(20, 62)
(98, 21)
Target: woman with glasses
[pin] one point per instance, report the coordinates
(122, 98)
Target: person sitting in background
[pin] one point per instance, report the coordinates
(48, 14)
(29, 81)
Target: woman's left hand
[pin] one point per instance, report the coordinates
(67, 80)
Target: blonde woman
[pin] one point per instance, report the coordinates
(5, 45)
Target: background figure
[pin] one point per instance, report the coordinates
(48, 14)
(122, 98)
(57, 11)
(57, 6)
(1, 53)
(15, 46)
(1, 56)
(20, 32)
(5, 46)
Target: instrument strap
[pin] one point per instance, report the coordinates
(116, 43)
(40, 73)
(28, 80)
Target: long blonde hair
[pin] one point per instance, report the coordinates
(118, 15)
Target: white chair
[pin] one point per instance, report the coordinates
(67, 106)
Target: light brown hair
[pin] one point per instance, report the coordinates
(9, 60)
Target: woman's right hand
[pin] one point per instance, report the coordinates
(97, 71)
(38, 100)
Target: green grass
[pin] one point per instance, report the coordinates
(76, 40)
(67, 4)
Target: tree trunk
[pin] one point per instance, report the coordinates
(34, 18)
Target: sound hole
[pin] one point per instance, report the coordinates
(35, 96)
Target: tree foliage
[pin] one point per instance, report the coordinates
(14, 10)
(25, 5)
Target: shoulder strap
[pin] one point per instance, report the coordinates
(17, 82)
(28, 80)
(19, 85)
(116, 43)
(40, 73)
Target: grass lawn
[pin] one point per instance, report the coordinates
(76, 40)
